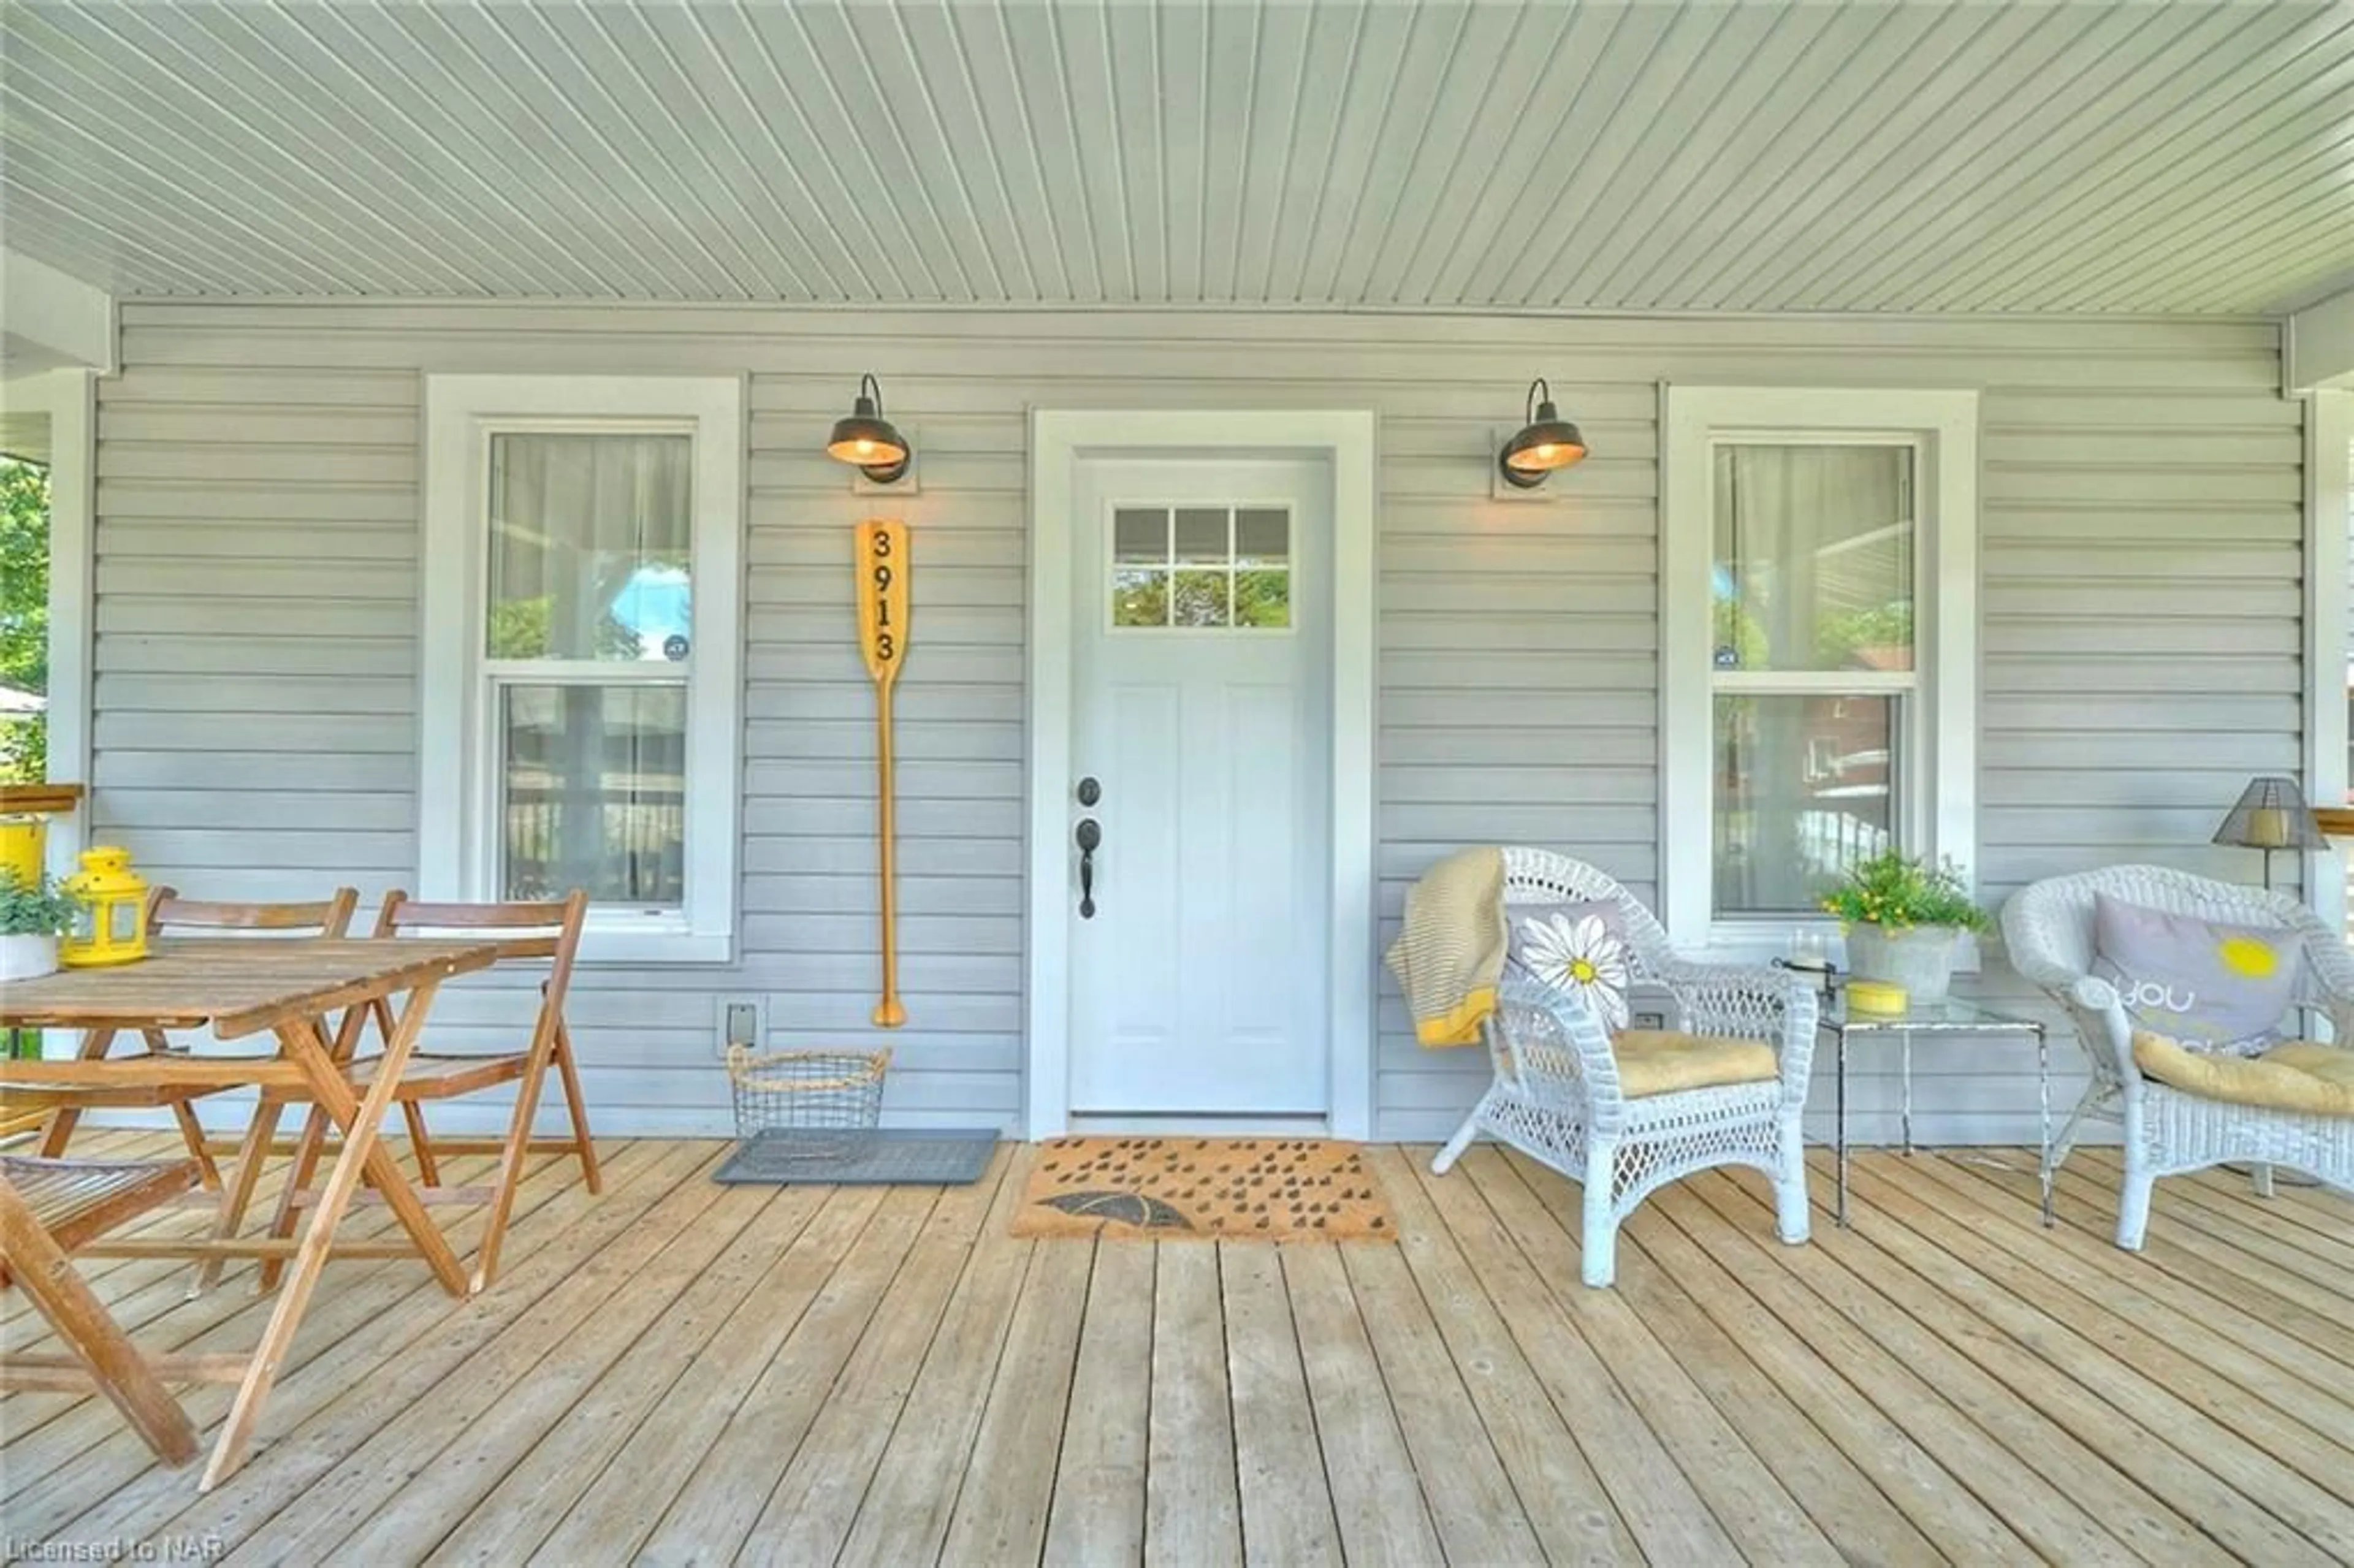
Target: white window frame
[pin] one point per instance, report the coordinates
(456, 748)
(1940, 765)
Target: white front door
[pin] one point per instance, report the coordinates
(1201, 727)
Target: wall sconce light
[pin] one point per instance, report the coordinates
(1546, 442)
(866, 440)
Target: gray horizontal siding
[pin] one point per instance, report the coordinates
(258, 501)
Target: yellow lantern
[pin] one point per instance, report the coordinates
(22, 842)
(113, 926)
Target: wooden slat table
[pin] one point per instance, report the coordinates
(240, 987)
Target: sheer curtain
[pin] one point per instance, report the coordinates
(1807, 531)
(1813, 557)
(574, 518)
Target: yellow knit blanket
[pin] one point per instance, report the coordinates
(1450, 955)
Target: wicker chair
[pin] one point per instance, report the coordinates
(1557, 1094)
(2048, 929)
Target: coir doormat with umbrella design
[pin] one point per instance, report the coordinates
(1233, 1189)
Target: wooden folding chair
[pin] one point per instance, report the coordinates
(168, 914)
(554, 928)
(49, 1208)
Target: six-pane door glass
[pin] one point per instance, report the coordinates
(1201, 567)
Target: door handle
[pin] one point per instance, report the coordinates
(1090, 837)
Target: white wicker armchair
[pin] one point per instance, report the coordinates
(2048, 929)
(1557, 1096)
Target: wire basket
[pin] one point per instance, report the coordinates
(815, 1105)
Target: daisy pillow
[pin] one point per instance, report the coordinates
(1575, 948)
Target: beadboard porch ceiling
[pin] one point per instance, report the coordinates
(2028, 158)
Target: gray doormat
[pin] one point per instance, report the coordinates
(888, 1157)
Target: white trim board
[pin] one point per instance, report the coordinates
(68, 399)
(1945, 624)
(2328, 499)
(1058, 439)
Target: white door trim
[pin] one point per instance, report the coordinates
(1058, 438)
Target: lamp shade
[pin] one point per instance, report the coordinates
(866, 440)
(2271, 814)
(1547, 441)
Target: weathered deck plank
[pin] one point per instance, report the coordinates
(680, 1372)
(1097, 1514)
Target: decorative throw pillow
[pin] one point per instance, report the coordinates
(1578, 947)
(2194, 981)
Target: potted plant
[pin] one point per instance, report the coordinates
(1904, 919)
(33, 916)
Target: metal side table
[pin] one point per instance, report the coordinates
(1951, 1017)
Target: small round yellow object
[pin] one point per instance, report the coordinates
(1876, 997)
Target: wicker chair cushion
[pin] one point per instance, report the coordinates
(2301, 1076)
(1662, 1062)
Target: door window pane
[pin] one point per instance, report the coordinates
(1813, 557)
(1263, 597)
(1139, 535)
(590, 546)
(594, 780)
(1203, 598)
(1140, 597)
(1202, 535)
(1262, 537)
(1805, 787)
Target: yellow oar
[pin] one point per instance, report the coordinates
(882, 562)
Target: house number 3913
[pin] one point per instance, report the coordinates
(882, 565)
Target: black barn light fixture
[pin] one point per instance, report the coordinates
(1546, 442)
(866, 440)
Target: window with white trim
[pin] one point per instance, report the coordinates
(579, 671)
(1817, 622)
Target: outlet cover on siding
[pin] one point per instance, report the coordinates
(739, 1020)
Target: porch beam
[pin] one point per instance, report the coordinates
(49, 320)
(2317, 344)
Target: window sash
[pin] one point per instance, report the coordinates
(588, 673)
(565, 506)
(1902, 688)
(494, 740)
(500, 746)
(1900, 789)
(1802, 490)
(1806, 683)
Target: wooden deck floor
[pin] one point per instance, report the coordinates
(680, 1371)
